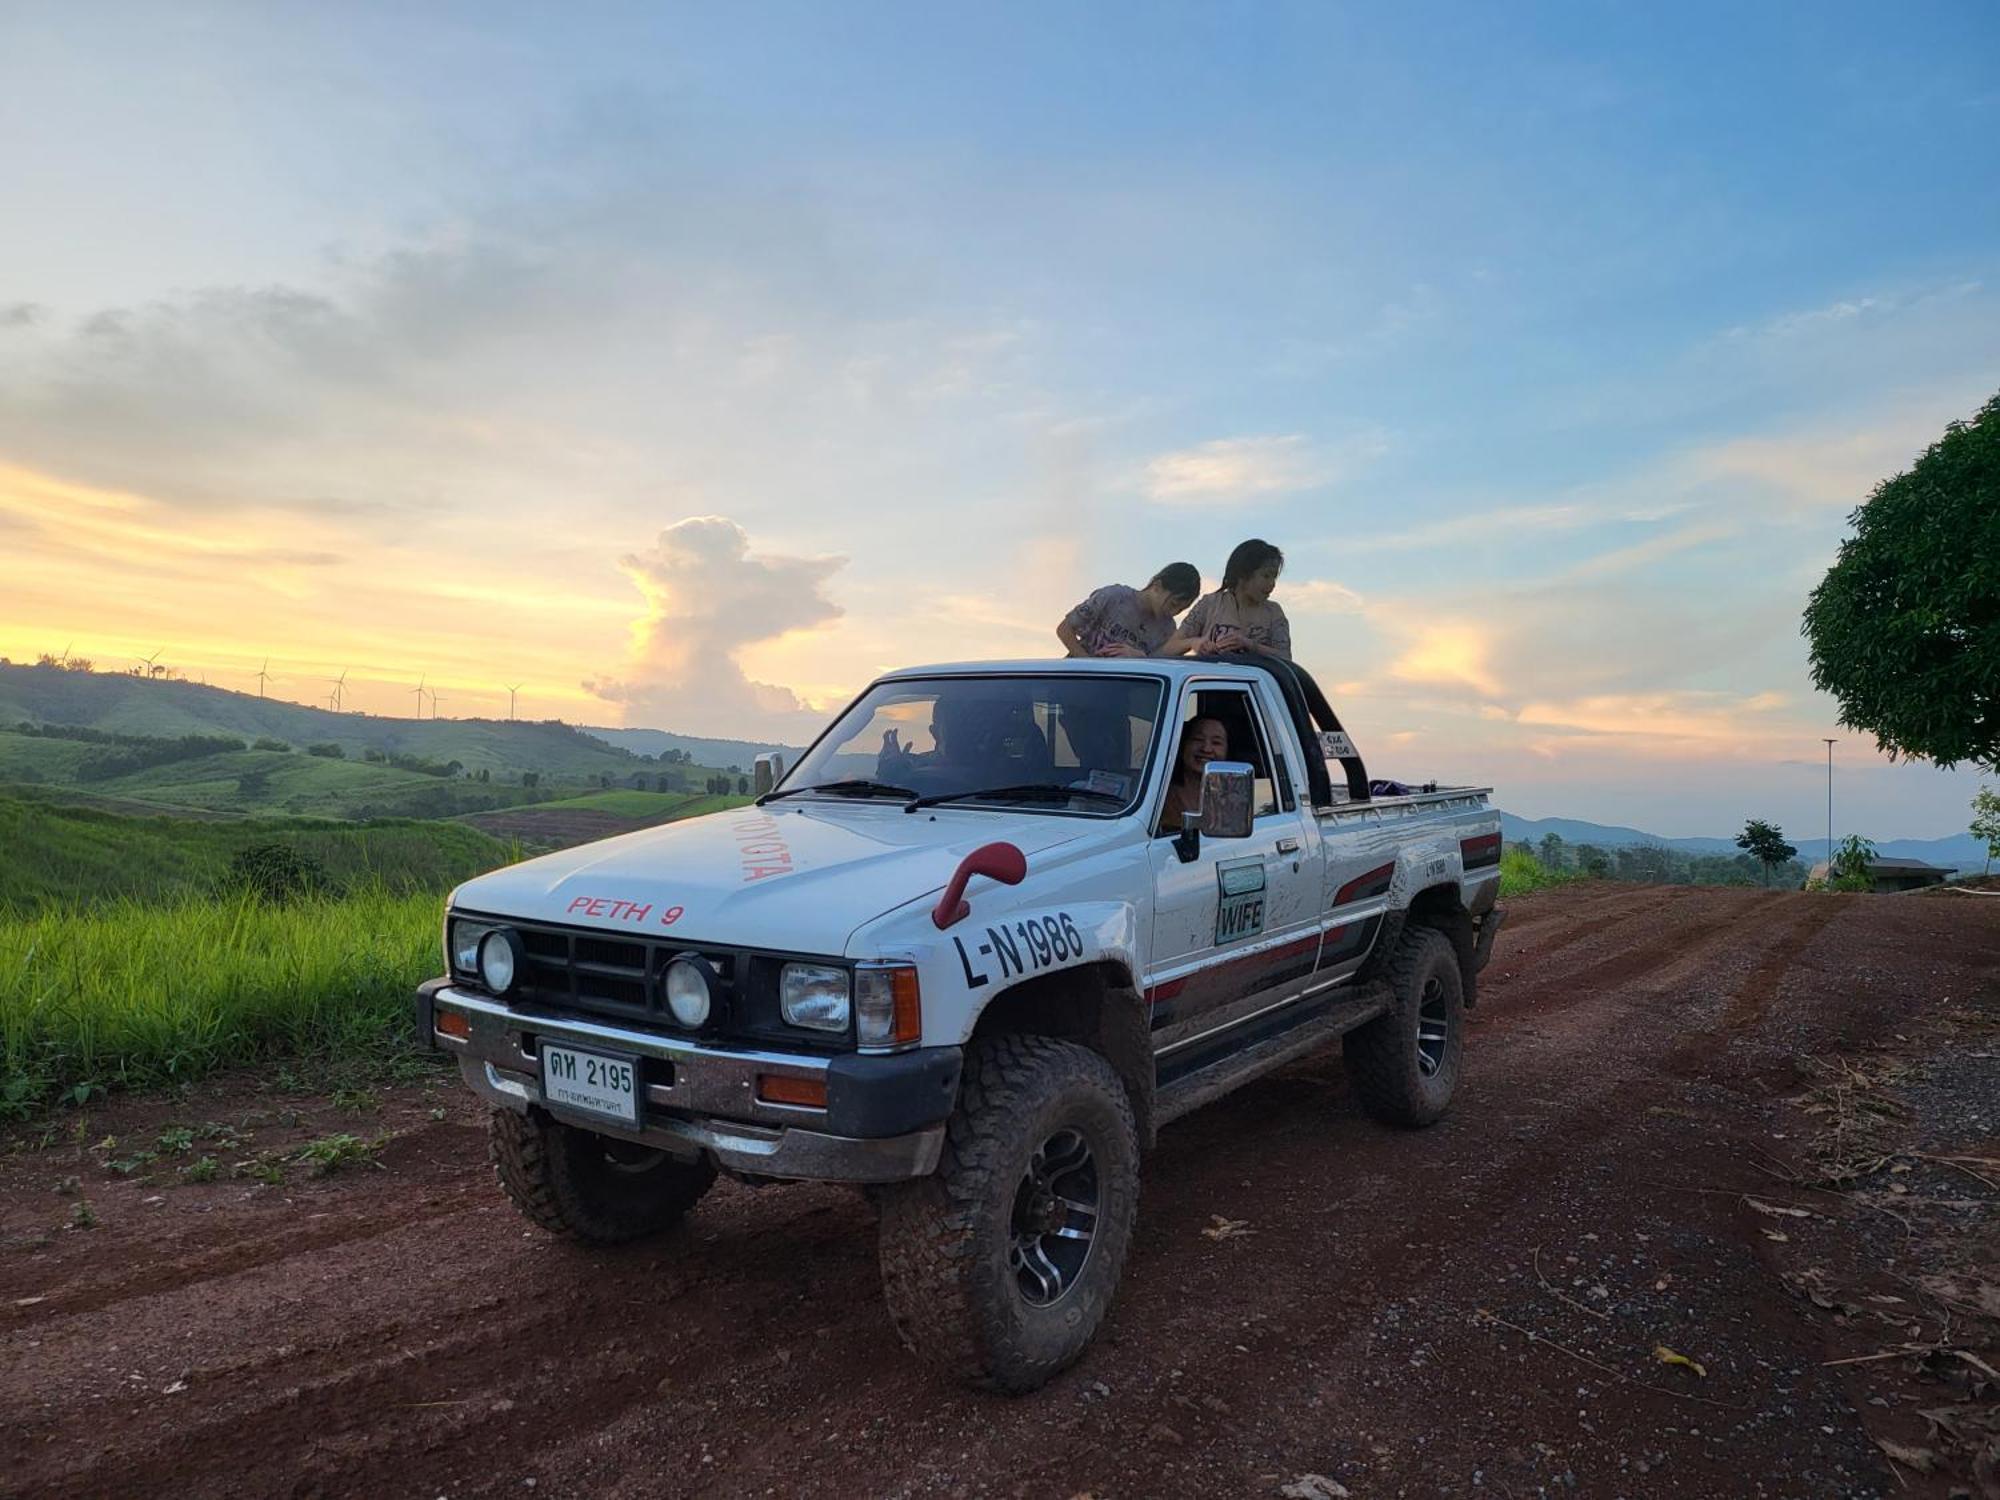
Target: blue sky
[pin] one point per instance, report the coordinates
(1553, 344)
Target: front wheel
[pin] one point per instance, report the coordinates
(999, 1267)
(1405, 1062)
(591, 1187)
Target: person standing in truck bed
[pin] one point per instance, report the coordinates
(1118, 620)
(1241, 615)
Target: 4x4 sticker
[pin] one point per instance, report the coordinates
(1028, 945)
(1239, 908)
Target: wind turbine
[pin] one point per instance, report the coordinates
(153, 669)
(339, 690)
(419, 691)
(434, 703)
(262, 673)
(510, 701)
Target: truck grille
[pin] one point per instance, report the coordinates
(613, 976)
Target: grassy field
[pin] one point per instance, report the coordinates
(659, 805)
(52, 855)
(136, 994)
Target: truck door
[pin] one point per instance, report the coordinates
(1236, 930)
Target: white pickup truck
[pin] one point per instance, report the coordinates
(997, 926)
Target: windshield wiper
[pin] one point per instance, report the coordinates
(1031, 791)
(854, 787)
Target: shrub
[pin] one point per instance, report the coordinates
(328, 750)
(267, 743)
(277, 872)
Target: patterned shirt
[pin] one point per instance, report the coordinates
(1215, 615)
(1112, 616)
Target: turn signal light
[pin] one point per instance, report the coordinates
(888, 1005)
(455, 1023)
(801, 1093)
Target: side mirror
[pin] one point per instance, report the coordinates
(767, 771)
(1228, 794)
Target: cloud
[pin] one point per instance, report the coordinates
(1627, 559)
(1837, 466)
(1668, 721)
(1234, 470)
(1320, 596)
(1448, 652)
(708, 598)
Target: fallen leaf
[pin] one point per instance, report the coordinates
(1923, 1460)
(1667, 1356)
(1220, 1228)
(1778, 1210)
(1779, 1235)
(176, 1388)
(29, 1301)
(1314, 1487)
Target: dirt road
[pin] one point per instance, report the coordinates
(1470, 1310)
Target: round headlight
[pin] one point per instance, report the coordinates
(498, 967)
(688, 985)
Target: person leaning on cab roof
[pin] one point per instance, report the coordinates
(1239, 616)
(1118, 620)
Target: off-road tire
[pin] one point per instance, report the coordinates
(945, 1239)
(1383, 1057)
(572, 1182)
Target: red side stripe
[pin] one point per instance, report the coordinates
(1349, 891)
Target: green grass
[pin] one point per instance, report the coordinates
(1521, 872)
(135, 995)
(56, 855)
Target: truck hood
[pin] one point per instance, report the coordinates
(800, 878)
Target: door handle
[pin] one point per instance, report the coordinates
(1288, 846)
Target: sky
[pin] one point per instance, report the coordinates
(689, 366)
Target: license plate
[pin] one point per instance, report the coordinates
(591, 1083)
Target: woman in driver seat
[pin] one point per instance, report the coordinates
(1202, 740)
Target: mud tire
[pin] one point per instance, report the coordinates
(953, 1294)
(1385, 1059)
(591, 1187)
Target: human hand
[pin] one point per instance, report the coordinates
(1119, 648)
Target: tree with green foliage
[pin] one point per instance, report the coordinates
(1552, 851)
(328, 751)
(1848, 869)
(1986, 823)
(1765, 843)
(1905, 627)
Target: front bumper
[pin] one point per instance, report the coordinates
(884, 1119)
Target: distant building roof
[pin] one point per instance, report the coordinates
(1887, 866)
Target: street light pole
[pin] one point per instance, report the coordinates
(1829, 809)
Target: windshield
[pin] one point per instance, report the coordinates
(1068, 744)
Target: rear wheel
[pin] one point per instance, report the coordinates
(1000, 1266)
(1405, 1062)
(591, 1187)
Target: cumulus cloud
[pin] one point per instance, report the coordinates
(1235, 470)
(708, 598)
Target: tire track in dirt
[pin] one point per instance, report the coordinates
(447, 1350)
(268, 1246)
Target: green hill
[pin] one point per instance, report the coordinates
(59, 856)
(134, 705)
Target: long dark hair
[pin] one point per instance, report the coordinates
(1182, 580)
(1248, 558)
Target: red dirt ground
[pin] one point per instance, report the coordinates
(1471, 1310)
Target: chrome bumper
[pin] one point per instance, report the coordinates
(710, 1108)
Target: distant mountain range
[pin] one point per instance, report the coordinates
(1961, 851)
